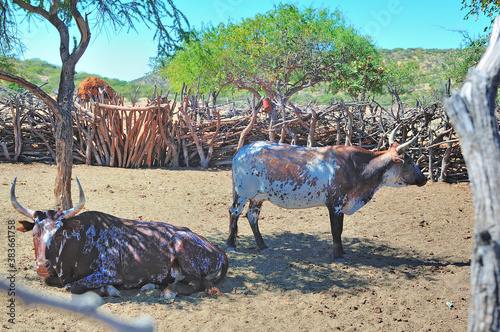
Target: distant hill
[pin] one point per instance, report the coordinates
(431, 63)
(432, 69)
(151, 80)
(39, 72)
(431, 86)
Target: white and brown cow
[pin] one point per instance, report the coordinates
(344, 178)
(97, 251)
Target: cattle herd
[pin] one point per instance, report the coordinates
(95, 251)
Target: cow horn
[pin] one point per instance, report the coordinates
(404, 146)
(26, 212)
(74, 210)
(393, 134)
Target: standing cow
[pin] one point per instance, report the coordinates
(94, 250)
(344, 178)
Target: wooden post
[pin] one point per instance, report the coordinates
(431, 168)
(472, 113)
(445, 163)
(245, 131)
(16, 121)
(348, 132)
(312, 129)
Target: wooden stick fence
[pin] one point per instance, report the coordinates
(189, 133)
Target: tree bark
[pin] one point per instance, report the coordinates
(472, 113)
(64, 139)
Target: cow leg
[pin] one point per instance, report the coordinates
(253, 218)
(337, 225)
(183, 288)
(234, 213)
(148, 287)
(53, 281)
(233, 231)
(188, 288)
(189, 267)
(93, 281)
(110, 290)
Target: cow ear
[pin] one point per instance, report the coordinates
(26, 226)
(398, 160)
(73, 225)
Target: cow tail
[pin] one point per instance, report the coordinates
(223, 270)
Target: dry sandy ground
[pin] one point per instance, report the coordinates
(408, 255)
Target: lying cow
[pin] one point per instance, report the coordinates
(94, 250)
(344, 178)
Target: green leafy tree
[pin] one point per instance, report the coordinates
(277, 54)
(474, 8)
(7, 63)
(457, 65)
(360, 78)
(402, 75)
(162, 15)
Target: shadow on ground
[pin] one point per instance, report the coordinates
(304, 262)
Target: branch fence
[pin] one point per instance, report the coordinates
(184, 131)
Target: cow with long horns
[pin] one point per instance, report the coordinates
(342, 178)
(97, 251)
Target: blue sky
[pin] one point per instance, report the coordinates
(391, 24)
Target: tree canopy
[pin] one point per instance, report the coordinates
(490, 8)
(459, 63)
(169, 23)
(277, 54)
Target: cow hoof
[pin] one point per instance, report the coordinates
(266, 251)
(340, 259)
(110, 290)
(148, 287)
(231, 249)
(168, 295)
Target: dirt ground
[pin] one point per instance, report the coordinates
(408, 255)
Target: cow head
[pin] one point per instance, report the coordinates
(46, 224)
(404, 171)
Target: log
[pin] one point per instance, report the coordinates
(472, 113)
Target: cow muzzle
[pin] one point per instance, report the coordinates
(42, 268)
(421, 180)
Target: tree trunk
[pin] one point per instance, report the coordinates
(64, 160)
(64, 138)
(472, 113)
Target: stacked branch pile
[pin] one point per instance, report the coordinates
(26, 128)
(184, 131)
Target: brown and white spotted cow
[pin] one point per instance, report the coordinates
(97, 251)
(344, 178)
